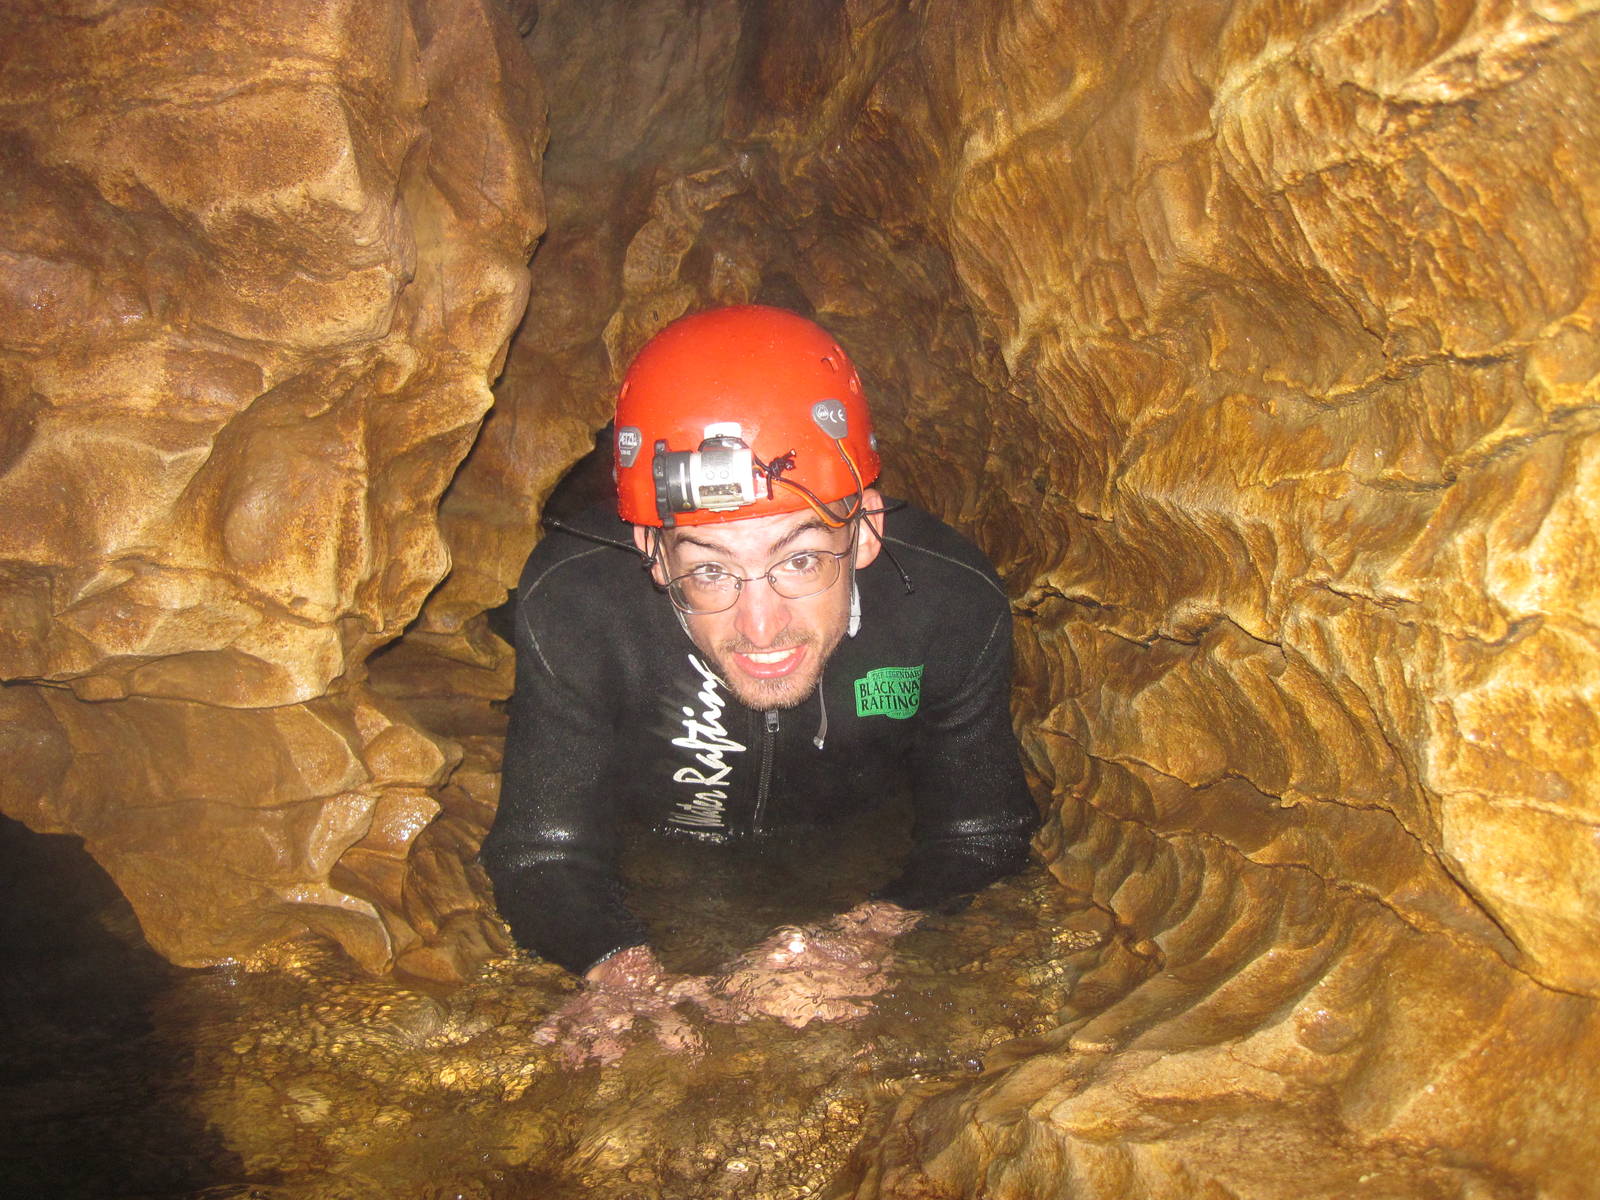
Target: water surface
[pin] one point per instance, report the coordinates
(312, 1081)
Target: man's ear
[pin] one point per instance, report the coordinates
(869, 541)
(643, 540)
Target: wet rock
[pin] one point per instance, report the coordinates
(323, 1078)
(260, 265)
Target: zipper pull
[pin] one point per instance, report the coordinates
(772, 720)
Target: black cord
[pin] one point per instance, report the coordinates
(774, 473)
(776, 467)
(562, 527)
(889, 507)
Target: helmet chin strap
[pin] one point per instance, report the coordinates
(851, 629)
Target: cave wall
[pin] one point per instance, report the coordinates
(258, 266)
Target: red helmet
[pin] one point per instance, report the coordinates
(740, 412)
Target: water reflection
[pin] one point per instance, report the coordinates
(96, 1083)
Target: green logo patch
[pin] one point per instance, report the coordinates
(889, 692)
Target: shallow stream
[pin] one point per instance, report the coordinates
(303, 1078)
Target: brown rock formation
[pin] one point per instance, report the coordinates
(1256, 342)
(260, 263)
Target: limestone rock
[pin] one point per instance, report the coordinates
(559, 381)
(260, 262)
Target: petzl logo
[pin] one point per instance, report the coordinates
(889, 692)
(628, 442)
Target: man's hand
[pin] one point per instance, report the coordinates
(617, 992)
(879, 918)
(823, 973)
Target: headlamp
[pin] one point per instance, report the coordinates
(721, 475)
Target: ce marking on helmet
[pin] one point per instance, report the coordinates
(830, 418)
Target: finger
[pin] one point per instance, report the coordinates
(677, 1035)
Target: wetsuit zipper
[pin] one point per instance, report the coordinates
(769, 738)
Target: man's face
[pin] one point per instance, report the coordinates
(767, 648)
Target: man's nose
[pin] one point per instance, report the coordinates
(760, 614)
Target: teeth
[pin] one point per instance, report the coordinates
(770, 656)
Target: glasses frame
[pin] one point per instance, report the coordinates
(671, 586)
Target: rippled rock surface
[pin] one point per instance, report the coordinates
(258, 265)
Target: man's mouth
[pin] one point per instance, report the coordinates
(771, 656)
(770, 664)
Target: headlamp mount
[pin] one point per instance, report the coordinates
(725, 474)
(721, 475)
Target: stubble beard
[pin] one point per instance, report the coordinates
(788, 691)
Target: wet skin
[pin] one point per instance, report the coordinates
(797, 975)
(768, 649)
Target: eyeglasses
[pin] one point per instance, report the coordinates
(710, 589)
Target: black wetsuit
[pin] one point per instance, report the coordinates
(617, 716)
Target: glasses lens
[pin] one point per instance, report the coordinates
(701, 592)
(805, 574)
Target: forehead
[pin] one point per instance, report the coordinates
(752, 537)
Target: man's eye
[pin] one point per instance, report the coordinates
(805, 563)
(708, 576)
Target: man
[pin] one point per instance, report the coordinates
(770, 671)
